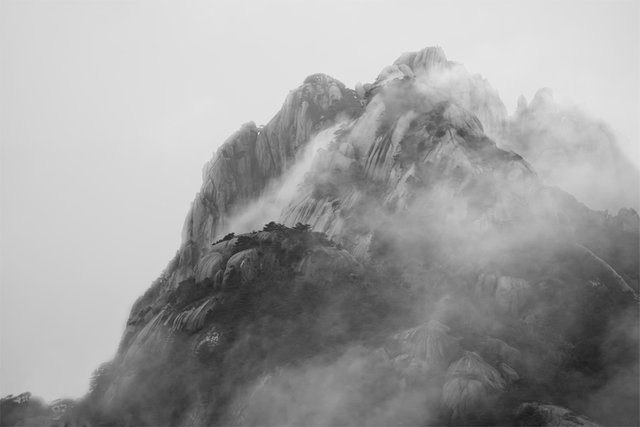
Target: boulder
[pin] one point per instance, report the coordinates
(511, 294)
(242, 268)
(429, 344)
(471, 387)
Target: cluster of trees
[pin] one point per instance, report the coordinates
(282, 318)
(274, 226)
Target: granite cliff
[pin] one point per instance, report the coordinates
(411, 272)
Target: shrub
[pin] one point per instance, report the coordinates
(302, 227)
(225, 238)
(274, 226)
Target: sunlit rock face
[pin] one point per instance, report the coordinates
(391, 265)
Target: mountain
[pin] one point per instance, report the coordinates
(411, 272)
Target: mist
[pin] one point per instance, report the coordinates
(574, 151)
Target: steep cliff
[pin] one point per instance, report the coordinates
(254, 156)
(414, 274)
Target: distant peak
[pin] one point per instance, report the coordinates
(543, 97)
(522, 104)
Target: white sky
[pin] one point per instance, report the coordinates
(109, 109)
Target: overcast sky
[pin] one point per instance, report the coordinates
(109, 109)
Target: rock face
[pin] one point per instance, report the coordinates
(417, 274)
(254, 156)
(471, 385)
(406, 149)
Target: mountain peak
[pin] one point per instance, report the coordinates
(542, 98)
(424, 60)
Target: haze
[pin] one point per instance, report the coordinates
(109, 109)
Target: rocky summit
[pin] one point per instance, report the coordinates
(400, 253)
